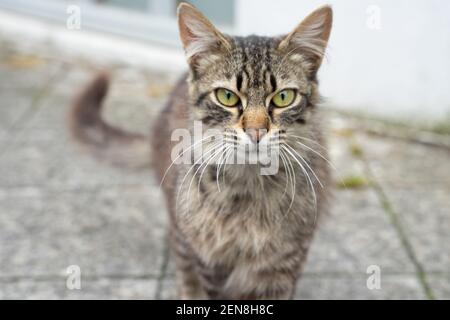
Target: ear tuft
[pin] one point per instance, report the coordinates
(310, 37)
(198, 35)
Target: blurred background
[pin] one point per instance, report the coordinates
(387, 98)
(400, 49)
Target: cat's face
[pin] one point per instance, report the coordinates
(254, 87)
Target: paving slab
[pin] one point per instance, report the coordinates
(356, 235)
(26, 71)
(109, 231)
(13, 106)
(60, 207)
(416, 181)
(397, 163)
(440, 284)
(357, 232)
(51, 164)
(335, 287)
(426, 221)
(90, 289)
(133, 101)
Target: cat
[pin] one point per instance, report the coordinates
(235, 233)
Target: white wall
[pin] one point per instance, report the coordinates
(401, 70)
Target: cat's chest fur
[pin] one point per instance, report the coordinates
(248, 217)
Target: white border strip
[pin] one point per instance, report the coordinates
(98, 47)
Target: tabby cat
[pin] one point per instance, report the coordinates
(235, 233)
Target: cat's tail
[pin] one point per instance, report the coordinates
(105, 142)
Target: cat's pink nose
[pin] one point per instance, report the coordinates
(255, 122)
(256, 134)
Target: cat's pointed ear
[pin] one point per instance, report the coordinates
(198, 35)
(310, 37)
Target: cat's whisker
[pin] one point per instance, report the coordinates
(217, 149)
(320, 155)
(310, 140)
(310, 182)
(283, 159)
(231, 152)
(197, 162)
(193, 147)
(204, 165)
(220, 165)
(316, 152)
(289, 181)
(292, 178)
(305, 173)
(306, 164)
(232, 142)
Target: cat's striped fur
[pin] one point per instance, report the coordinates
(250, 240)
(244, 242)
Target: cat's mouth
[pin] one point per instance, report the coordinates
(255, 153)
(238, 148)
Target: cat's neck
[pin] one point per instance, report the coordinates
(250, 177)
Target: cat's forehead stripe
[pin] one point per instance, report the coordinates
(255, 58)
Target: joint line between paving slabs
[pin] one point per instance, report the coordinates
(164, 266)
(395, 220)
(34, 106)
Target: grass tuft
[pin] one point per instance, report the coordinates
(442, 127)
(356, 149)
(353, 182)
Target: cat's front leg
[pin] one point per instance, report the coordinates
(273, 287)
(188, 281)
(267, 278)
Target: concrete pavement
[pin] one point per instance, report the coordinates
(59, 207)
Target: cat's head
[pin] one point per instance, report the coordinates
(255, 86)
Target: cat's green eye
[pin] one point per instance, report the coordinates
(284, 98)
(226, 97)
